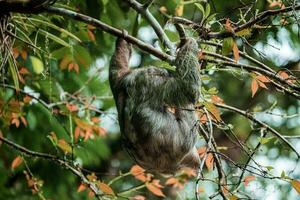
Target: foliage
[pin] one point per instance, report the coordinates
(55, 98)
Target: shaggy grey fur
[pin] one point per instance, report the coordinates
(155, 108)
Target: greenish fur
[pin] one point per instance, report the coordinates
(158, 139)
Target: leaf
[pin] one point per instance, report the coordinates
(106, 189)
(236, 53)
(65, 62)
(261, 84)
(213, 110)
(296, 185)
(207, 10)
(254, 87)
(81, 188)
(179, 10)
(15, 121)
(63, 145)
(23, 120)
(163, 9)
(91, 35)
(201, 151)
(24, 54)
(37, 64)
(72, 107)
(217, 99)
(95, 119)
(228, 26)
(16, 162)
(227, 45)
(201, 8)
(154, 189)
(247, 179)
(262, 78)
(233, 197)
(136, 170)
(265, 140)
(138, 197)
(1, 136)
(209, 162)
(14, 73)
(244, 32)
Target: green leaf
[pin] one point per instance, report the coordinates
(244, 32)
(227, 45)
(265, 140)
(64, 31)
(13, 71)
(201, 8)
(37, 64)
(54, 38)
(207, 10)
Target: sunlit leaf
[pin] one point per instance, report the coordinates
(213, 110)
(244, 32)
(136, 170)
(247, 179)
(81, 188)
(296, 185)
(227, 45)
(209, 162)
(63, 145)
(139, 197)
(254, 87)
(155, 189)
(236, 53)
(179, 10)
(16, 162)
(37, 64)
(106, 189)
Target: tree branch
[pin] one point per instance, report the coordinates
(223, 34)
(111, 30)
(143, 10)
(268, 128)
(65, 163)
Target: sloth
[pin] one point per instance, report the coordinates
(156, 108)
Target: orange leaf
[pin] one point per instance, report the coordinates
(63, 145)
(64, 62)
(254, 87)
(283, 75)
(15, 121)
(106, 189)
(174, 182)
(16, 53)
(209, 162)
(23, 120)
(296, 185)
(261, 84)
(213, 110)
(262, 78)
(27, 99)
(95, 119)
(154, 189)
(77, 133)
(247, 179)
(81, 188)
(16, 162)
(72, 107)
(139, 197)
(23, 71)
(24, 54)
(201, 151)
(228, 26)
(189, 171)
(136, 170)
(217, 99)
(236, 53)
(91, 35)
